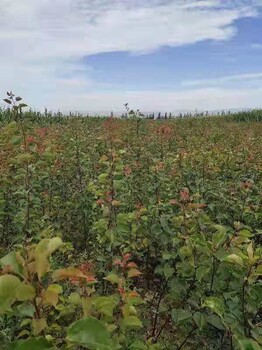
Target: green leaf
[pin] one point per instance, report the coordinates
(112, 278)
(25, 292)
(41, 255)
(26, 309)
(23, 333)
(38, 325)
(75, 299)
(215, 321)
(22, 105)
(51, 295)
(106, 305)
(234, 259)
(53, 245)
(133, 273)
(42, 252)
(200, 320)
(87, 304)
(249, 344)
(168, 271)
(132, 321)
(7, 101)
(16, 140)
(245, 233)
(180, 315)
(8, 288)
(220, 236)
(258, 271)
(186, 252)
(138, 345)
(215, 304)
(10, 260)
(201, 272)
(55, 288)
(167, 256)
(31, 344)
(103, 178)
(24, 157)
(89, 333)
(250, 251)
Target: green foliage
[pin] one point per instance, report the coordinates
(89, 333)
(183, 196)
(8, 289)
(34, 344)
(41, 304)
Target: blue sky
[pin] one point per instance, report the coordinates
(166, 55)
(167, 68)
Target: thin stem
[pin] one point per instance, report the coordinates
(243, 303)
(214, 267)
(186, 339)
(157, 309)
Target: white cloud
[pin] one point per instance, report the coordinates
(42, 41)
(225, 79)
(256, 46)
(62, 29)
(201, 99)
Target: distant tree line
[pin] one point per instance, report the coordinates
(54, 117)
(249, 115)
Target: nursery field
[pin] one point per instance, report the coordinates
(130, 234)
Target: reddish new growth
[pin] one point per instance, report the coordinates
(184, 195)
(160, 166)
(133, 294)
(109, 196)
(124, 263)
(42, 132)
(130, 270)
(111, 128)
(58, 164)
(139, 205)
(164, 130)
(100, 202)
(246, 185)
(127, 171)
(32, 140)
(86, 267)
(88, 277)
(122, 292)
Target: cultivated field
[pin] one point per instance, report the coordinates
(161, 223)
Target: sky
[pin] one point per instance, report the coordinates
(157, 55)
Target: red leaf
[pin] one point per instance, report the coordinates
(132, 265)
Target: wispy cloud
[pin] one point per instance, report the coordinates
(222, 80)
(42, 42)
(62, 29)
(165, 101)
(256, 46)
